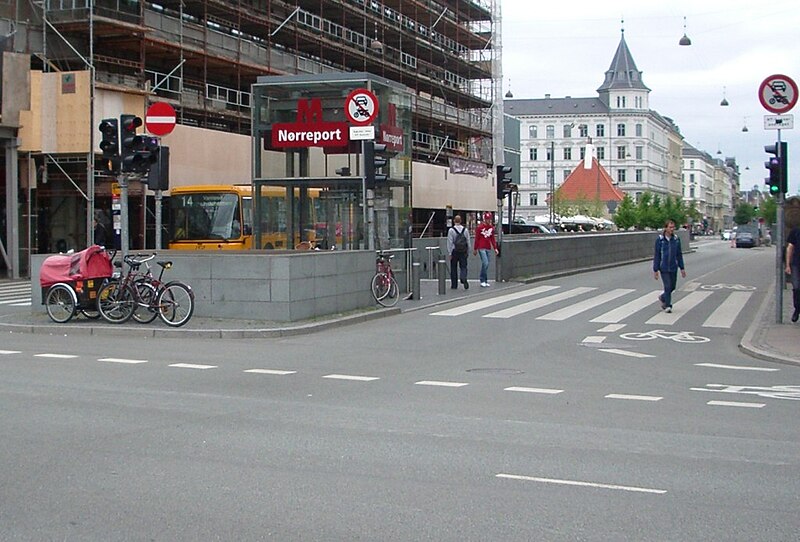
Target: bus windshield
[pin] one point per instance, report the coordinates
(209, 215)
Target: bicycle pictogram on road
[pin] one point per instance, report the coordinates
(677, 336)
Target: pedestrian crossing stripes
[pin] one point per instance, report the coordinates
(15, 294)
(574, 301)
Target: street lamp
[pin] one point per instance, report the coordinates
(685, 39)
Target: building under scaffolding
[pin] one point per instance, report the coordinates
(69, 63)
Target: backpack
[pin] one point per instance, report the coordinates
(460, 245)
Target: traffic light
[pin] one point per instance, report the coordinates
(778, 168)
(109, 144)
(158, 176)
(374, 161)
(503, 181)
(139, 152)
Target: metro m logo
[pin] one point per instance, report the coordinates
(309, 111)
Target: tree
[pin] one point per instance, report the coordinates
(625, 216)
(769, 210)
(745, 213)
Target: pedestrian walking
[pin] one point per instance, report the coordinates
(485, 243)
(458, 250)
(667, 260)
(793, 268)
(99, 234)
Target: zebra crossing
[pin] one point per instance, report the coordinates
(577, 301)
(15, 294)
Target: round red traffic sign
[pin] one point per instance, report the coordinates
(160, 118)
(778, 93)
(361, 106)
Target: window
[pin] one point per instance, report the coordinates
(691, 178)
(568, 130)
(639, 152)
(620, 130)
(691, 191)
(620, 175)
(639, 175)
(568, 153)
(601, 153)
(549, 176)
(583, 152)
(533, 199)
(621, 152)
(532, 154)
(691, 164)
(583, 130)
(639, 130)
(533, 132)
(600, 130)
(550, 131)
(534, 177)
(620, 102)
(549, 154)
(566, 173)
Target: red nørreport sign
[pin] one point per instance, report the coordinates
(317, 134)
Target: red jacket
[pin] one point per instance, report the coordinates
(484, 237)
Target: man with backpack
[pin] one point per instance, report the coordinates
(458, 250)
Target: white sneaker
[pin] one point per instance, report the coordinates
(484, 284)
(669, 309)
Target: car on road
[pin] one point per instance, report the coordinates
(746, 239)
(521, 227)
(725, 235)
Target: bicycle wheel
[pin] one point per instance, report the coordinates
(391, 297)
(116, 302)
(380, 286)
(638, 336)
(175, 304)
(60, 303)
(145, 311)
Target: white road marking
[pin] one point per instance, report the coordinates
(538, 303)
(439, 383)
(19, 300)
(57, 356)
(690, 286)
(270, 372)
(192, 366)
(726, 313)
(581, 484)
(535, 390)
(28, 304)
(736, 404)
(16, 288)
(463, 309)
(620, 313)
(352, 377)
(681, 308)
(625, 353)
(577, 308)
(611, 328)
(736, 367)
(6, 352)
(633, 397)
(594, 339)
(123, 360)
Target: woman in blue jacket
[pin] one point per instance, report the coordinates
(667, 260)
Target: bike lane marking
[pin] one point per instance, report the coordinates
(580, 483)
(192, 366)
(545, 391)
(681, 308)
(728, 310)
(594, 339)
(633, 397)
(628, 353)
(8, 352)
(55, 356)
(736, 367)
(736, 404)
(440, 383)
(276, 372)
(123, 360)
(351, 377)
(538, 303)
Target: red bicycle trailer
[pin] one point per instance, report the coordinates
(70, 282)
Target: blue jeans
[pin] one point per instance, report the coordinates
(484, 254)
(670, 279)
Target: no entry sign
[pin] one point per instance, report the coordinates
(160, 119)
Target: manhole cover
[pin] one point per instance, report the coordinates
(496, 371)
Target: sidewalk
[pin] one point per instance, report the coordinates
(764, 339)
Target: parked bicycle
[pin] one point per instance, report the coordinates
(143, 297)
(384, 286)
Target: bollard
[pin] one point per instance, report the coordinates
(442, 271)
(415, 281)
(431, 272)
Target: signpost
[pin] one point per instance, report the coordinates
(778, 94)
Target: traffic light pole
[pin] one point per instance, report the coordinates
(122, 180)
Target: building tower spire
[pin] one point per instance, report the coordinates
(623, 79)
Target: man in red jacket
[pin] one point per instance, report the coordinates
(484, 243)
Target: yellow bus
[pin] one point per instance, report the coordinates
(220, 217)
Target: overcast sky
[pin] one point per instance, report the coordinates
(565, 50)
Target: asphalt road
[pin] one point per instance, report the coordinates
(560, 414)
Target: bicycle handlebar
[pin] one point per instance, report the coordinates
(138, 260)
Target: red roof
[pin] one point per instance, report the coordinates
(593, 183)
